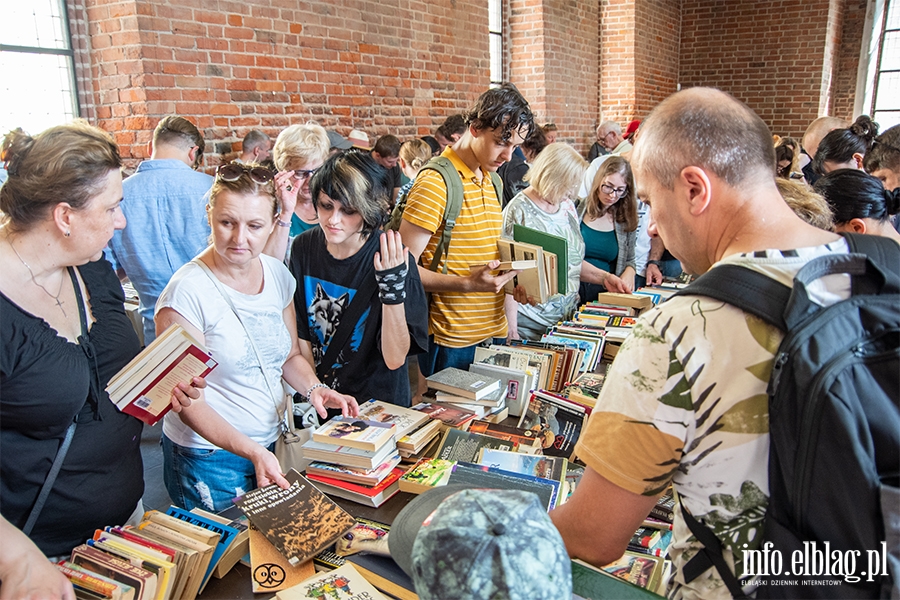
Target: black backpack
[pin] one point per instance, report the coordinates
(834, 426)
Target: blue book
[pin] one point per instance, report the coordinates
(227, 536)
(479, 476)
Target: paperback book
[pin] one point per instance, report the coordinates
(463, 383)
(373, 496)
(356, 433)
(405, 420)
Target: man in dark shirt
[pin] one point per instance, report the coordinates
(386, 153)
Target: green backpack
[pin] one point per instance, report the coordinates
(454, 185)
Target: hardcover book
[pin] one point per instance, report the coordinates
(343, 583)
(426, 474)
(526, 441)
(462, 446)
(356, 433)
(406, 420)
(373, 496)
(300, 521)
(535, 282)
(450, 416)
(463, 383)
(591, 583)
(550, 243)
(558, 424)
(368, 477)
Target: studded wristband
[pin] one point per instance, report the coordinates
(392, 284)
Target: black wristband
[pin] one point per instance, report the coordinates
(653, 262)
(392, 284)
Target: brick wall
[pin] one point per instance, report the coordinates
(553, 61)
(658, 24)
(617, 61)
(779, 57)
(848, 59)
(383, 66)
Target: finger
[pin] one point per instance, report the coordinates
(353, 406)
(395, 246)
(279, 479)
(492, 266)
(198, 382)
(378, 265)
(501, 280)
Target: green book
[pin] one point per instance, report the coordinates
(592, 584)
(550, 243)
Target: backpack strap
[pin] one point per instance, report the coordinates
(709, 556)
(748, 290)
(454, 184)
(884, 254)
(498, 185)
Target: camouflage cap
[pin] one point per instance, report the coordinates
(464, 543)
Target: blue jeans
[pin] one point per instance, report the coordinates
(206, 478)
(440, 357)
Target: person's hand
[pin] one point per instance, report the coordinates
(628, 279)
(481, 279)
(36, 580)
(392, 253)
(323, 397)
(615, 284)
(654, 275)
(522, 297)
(287, 190)
(185, 393)
(268, 471)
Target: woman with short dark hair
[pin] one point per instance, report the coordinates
(860, 202)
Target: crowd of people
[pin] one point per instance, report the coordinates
(289, 265)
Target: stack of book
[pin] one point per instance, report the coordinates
(471, 391)
(557, 421)
(357, 459)
(169, 555)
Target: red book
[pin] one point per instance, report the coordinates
(364, 494)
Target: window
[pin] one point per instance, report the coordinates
(885, 100)
(36, 59)
(495, 31)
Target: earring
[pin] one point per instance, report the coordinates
(68, 233)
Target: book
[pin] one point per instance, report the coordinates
(645, 537)
(550, 243)
(538, 364)
(270, 571)
(203, 539)
(515, 382)
(368, 477)
(299, 521)
(591, 583)
(639, 302)
(356, 433)
(95, 583)
(226, 533)
(492, 400)
(499, 357)
(450, 416)
(405, 419)
(343, 583)
(536, 283)
(557, 423)
(510, 265)
(345, 455)
(184, 558)
(640, 569)
(385, 574)
(525, 440)
(547, 467)
(164, 570)
(238, 548)
(463, 383)
(143, 387)
(498, 415)
(660, 547)
(144, 582)
(664, 509)
(426, 474)
(373, 496)
(462, 446)
(481, 477)
(418, 439)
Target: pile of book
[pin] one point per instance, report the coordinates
(170, 555)
(357, 458)
(471, 391)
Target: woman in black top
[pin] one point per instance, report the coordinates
(64, 334)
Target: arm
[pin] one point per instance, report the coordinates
(612, 283)
(511, 307)
(599, 519)
(394, 330)
(25, 573)
(203, 419)
(479, 279)
(298, 371)
(657, 247)
(276, 246)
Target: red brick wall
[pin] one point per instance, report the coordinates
(658, 24)
(770, 54)
(395, 66)
(848, 59)
(553, 61)
(617, 61)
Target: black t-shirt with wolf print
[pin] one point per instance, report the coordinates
(325, 288)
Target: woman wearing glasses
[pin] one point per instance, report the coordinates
(298, 153)
(608, 226)
(239, 303)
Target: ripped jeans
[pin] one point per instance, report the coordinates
(205, 478)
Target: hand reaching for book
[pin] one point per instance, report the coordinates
(25, 573)
(616, 284)
(185, 393)
(268, 471)
(322, 397)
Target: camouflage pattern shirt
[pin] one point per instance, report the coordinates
(685, 403)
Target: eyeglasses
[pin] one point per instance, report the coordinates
(234, 171)
(608, 189)
(304, 174)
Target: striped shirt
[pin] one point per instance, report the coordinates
(460, 319)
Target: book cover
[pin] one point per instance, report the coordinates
(356, 433)
(368, 477)
(591, 583)
(494, 399)
(516, 383)
(385, 574)
(557, 425)
(550, 243)
(547, 467)
(144, 582)
(406, 420)
(343, 583)
(299, 521)
(345, 455)
(238, 548)
(94, 582)
(535, 282)
(478, 476)
(501, 358)
(451, 416)
(270, 571)
(463, 383)
(638, 302)
(462, 446)
(525, 440)
(416, 440)
(227, 536)
(664, 509)
(640, 569)
(373, 496)
(426, 474)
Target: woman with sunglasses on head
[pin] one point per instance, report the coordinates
(609, 225)
(65, 333)
(359, 300)
(238, 302)
(298, 153)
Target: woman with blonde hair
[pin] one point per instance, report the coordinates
(609, 228)
(299, 151)
(546, 205)
(239, 303)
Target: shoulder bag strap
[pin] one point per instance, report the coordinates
(70, 430)
(277, 399)
(709, 556)
(349, 319)
(452, 208)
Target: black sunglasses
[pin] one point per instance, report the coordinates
(234, 171)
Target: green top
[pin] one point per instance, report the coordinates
(298, 225)
(601, 248)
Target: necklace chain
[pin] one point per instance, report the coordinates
(33, 280)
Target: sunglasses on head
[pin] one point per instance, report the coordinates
(234, 171)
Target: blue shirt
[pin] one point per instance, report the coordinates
(165, 204)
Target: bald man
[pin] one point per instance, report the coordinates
(817, 130)
(683, 403)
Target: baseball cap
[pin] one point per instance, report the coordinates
(359, 139)
(338, 141)
(632, 127)
(457, 542)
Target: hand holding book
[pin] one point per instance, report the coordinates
(186, 392)
(481, 279)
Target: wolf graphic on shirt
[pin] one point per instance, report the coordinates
(326, 304)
